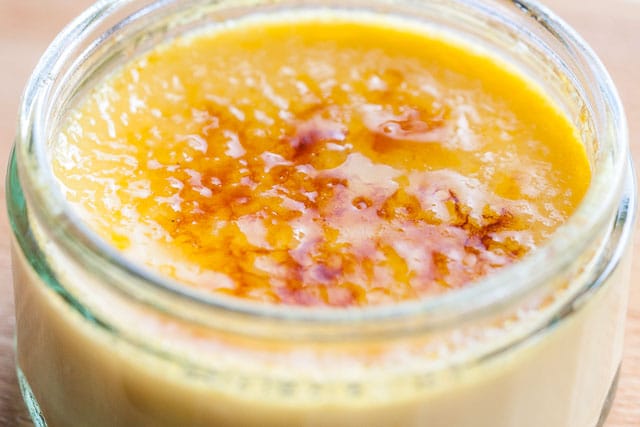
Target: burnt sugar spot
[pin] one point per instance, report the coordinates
(310, 135)
(405, 127)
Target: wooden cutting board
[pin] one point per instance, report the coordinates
(612, 27)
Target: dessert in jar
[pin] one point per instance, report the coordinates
(282, 213)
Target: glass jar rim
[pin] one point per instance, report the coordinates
(492, 291)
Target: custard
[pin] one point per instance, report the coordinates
(321, 161)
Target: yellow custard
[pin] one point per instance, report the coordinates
(341, 162)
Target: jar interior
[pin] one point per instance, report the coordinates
(522, 36)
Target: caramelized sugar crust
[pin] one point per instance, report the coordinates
(320, 162)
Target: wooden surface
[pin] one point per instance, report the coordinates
(612, 27)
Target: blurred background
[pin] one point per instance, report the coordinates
(611, 27)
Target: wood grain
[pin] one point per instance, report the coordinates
(26, 27)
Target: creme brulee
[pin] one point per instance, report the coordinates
(321, 161)
(316, 163)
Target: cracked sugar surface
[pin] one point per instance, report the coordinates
(312, 161)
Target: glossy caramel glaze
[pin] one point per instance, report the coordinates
(315, 161)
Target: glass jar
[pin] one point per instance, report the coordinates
(102, 342)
